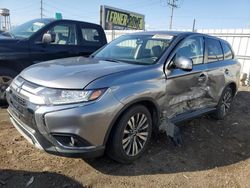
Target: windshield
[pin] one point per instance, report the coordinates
(139, 49)
(27, 29)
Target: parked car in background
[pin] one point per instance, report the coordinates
(113, 100)
(45, 39)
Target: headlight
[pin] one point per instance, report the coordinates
(56, 96)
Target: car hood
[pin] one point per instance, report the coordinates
(4, 37)
(72, 73)
(7, 38)
(7, 44)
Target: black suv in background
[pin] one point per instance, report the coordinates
(45, 39)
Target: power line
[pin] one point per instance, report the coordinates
(172, 4)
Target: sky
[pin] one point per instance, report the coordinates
(216, 14)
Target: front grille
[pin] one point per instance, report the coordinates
(20, 100)
(20, 91)
(24, 114)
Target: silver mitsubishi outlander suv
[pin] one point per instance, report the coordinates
(114, 100)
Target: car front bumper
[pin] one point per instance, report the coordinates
(50, 128)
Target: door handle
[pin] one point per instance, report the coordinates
(226, 71)
(202, 77)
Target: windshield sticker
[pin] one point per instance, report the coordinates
(168, 37)
(39, 24)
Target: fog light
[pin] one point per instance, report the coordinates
(73, 141)
(70, 140)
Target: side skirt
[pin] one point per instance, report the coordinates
(191, 115)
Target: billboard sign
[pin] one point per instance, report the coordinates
(118, 19)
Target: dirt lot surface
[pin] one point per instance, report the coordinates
(214, 154)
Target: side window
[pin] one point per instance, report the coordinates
(228, 54)
(192, 48)
(214, 50)
(91, 36)
(63, 34)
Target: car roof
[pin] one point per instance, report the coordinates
(75, 21)
(43, 19)
(175, 33)
(50, 20)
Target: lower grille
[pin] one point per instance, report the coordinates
(19, 107)
(20, 100)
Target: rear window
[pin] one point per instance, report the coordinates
(91, 36)
(214, 50)
(228, 54)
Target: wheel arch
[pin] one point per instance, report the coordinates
(233, 86)
(12, 66)
(149, 103)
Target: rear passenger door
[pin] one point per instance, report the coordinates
(91, 38)
(218, 64)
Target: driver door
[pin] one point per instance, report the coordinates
(186, 91)
(64, 43)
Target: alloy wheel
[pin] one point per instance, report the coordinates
(135, 134)
(226, 102)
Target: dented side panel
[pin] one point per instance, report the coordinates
(216, 78)
(222, 73)
(188, 91)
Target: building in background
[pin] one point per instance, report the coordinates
(4, 19)
(118, 19)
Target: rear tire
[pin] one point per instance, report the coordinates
(224, 104)
(6, 77)
(131, 135)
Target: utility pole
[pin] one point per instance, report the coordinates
(41, 8)
(194, 25)
(172, 4)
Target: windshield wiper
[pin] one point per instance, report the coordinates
(109, 59)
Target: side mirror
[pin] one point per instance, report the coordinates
(53, 36)
(97, 38)
(47, 38)
(183, 63)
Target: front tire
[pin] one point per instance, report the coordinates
(224, 104)
(131, 135)
(6, 77)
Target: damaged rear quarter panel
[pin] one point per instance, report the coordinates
(218, 79)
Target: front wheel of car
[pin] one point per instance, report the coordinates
(6, 77)
(224, 104)
(131, 135)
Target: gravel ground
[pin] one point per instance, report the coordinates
(214, 154)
